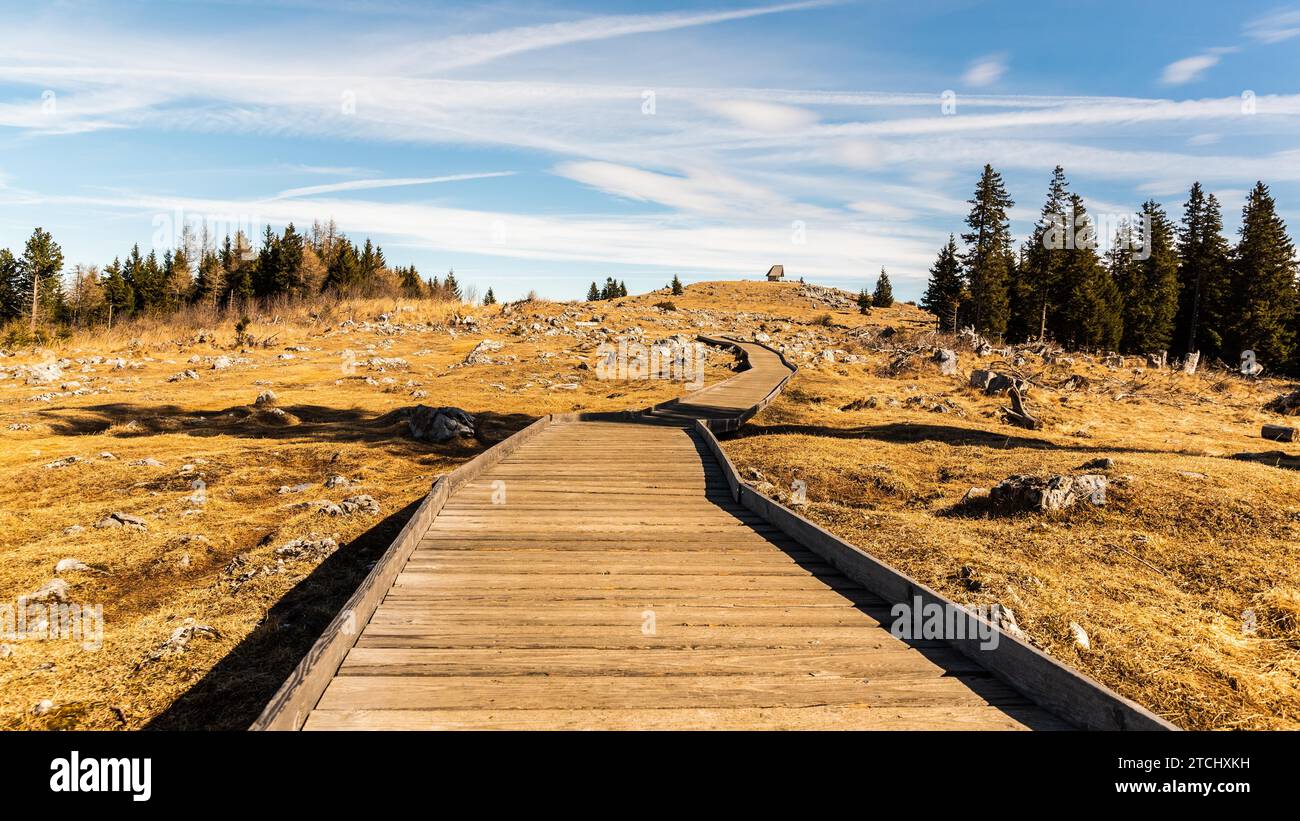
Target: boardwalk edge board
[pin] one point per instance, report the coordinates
(1042, 679)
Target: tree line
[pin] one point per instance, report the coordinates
(196, 272)
(1160, 286)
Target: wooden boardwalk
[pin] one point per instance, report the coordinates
(601, 576)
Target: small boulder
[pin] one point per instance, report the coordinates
(440, 424)
(70, 566)
(265, 399)
(55, 590)
(946, 360)
(1080, 635)
(479, 356)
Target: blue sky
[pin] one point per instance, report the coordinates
(542, 146)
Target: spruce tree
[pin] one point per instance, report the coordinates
(452, 287)
(289, 278)
(489, 298)
(864, 301)
(409, 280)
(11, 294)
(1038, 290)
(1203, 258)
(1151, 295)
(1261, 314)
(986, 260)
(593, 293)
(946, 291)
(676, 286)
(117, 291)
(208, 282)
(39, 269)
(1090, 305)
(344, 272)
(883, 297)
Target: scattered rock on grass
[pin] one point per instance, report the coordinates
(1080, 635)
(946, 360)
(440, 424)
(55, 590)
(1039, 495)
(180, 639)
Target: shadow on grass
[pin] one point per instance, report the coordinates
(301, 423)
(232, 694)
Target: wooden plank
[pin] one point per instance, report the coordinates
(840, 717)
(386, 661)
(624, 692)
(863, 635)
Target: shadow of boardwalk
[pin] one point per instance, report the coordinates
(233, 693)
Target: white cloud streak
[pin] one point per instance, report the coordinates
(365, 185)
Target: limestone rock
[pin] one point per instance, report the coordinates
(440, 424)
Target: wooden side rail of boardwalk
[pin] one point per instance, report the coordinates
(602, 574)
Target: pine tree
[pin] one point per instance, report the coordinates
(884, 293)
(1261, 314)
(864, 301)
(489, 298)
(676, 286)
(593, 293)
(987, 260)
(344, 272)
(1151, 296)
(622, 289)
(1038, 290)
(1203, 258)
(946, 291)
(39, 269)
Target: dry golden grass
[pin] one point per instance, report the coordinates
(1160, 578)
(337, 421)
(1194, 549)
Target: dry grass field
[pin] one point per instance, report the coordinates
(1186, 583)
(1160, 579)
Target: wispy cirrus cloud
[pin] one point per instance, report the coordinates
(712, 179)
(1193, 68)
(985, 71)
(1276, 27)
(366, 185)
